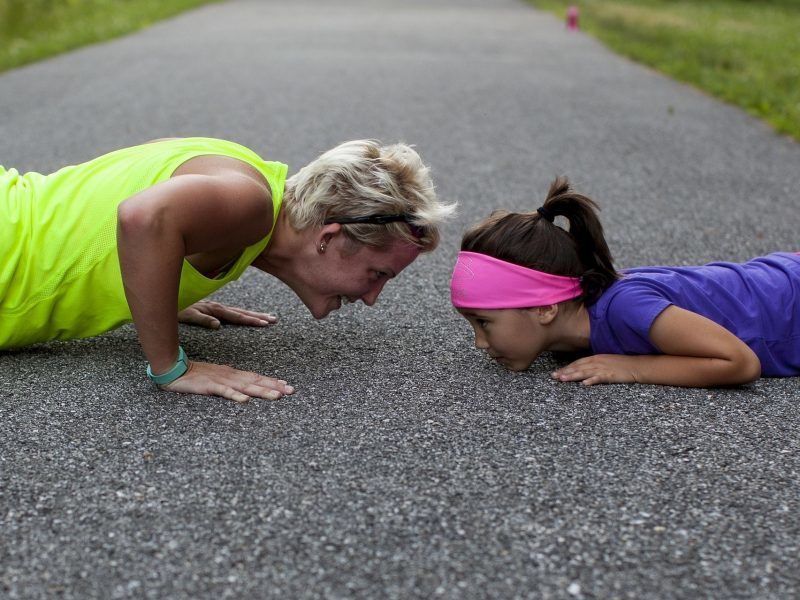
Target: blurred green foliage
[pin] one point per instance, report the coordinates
(34, 29)
(746, 52)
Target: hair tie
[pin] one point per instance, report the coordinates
(545, 214)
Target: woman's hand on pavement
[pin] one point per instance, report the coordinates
(209, 379)
(213, 314)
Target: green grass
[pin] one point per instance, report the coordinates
(746, 52)
(34, 29)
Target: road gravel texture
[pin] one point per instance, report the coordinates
(407, 465)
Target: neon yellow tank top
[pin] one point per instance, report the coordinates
(59, 268)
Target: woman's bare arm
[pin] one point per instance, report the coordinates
(157, 228)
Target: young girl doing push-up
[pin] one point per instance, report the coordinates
(527, 286)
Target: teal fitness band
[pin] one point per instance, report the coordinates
(178, 369)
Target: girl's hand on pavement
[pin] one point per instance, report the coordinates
(213, 314)
(600, 368)
(209, 379)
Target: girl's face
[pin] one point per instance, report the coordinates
(514, 337)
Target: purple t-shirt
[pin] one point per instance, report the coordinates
(758, 301)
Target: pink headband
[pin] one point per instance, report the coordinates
(480, 281)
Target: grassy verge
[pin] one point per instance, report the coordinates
(746, 52)
(34, 29)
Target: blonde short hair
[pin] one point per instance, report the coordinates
(361, 178)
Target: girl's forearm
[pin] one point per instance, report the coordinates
(689, 371)
(697, 352)
(663, 369)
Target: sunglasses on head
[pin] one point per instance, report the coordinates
(416, 230)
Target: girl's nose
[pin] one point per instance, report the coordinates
(480, 342)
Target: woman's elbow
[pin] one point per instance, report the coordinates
(134, 218)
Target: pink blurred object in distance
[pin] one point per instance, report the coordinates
(572, 18)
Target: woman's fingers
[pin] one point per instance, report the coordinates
(251, 317)
(207, 321)
(257, 391)
(240, 316)
(193, 316)
(211, 314)
(229, 393)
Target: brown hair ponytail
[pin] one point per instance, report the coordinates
(534, 241)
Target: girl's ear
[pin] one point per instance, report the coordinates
(545, 314)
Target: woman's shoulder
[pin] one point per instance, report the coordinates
(210, 144)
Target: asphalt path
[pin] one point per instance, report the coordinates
(407, 465)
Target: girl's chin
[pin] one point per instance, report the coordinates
(512, 365)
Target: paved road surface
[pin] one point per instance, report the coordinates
(407, 466)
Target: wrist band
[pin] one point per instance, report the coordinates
(178, 369)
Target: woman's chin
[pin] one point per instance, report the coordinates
(320, 314)
(322, 311)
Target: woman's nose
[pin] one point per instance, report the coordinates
(372, 295)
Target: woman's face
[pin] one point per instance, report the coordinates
(342, 275)
(513, 337)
